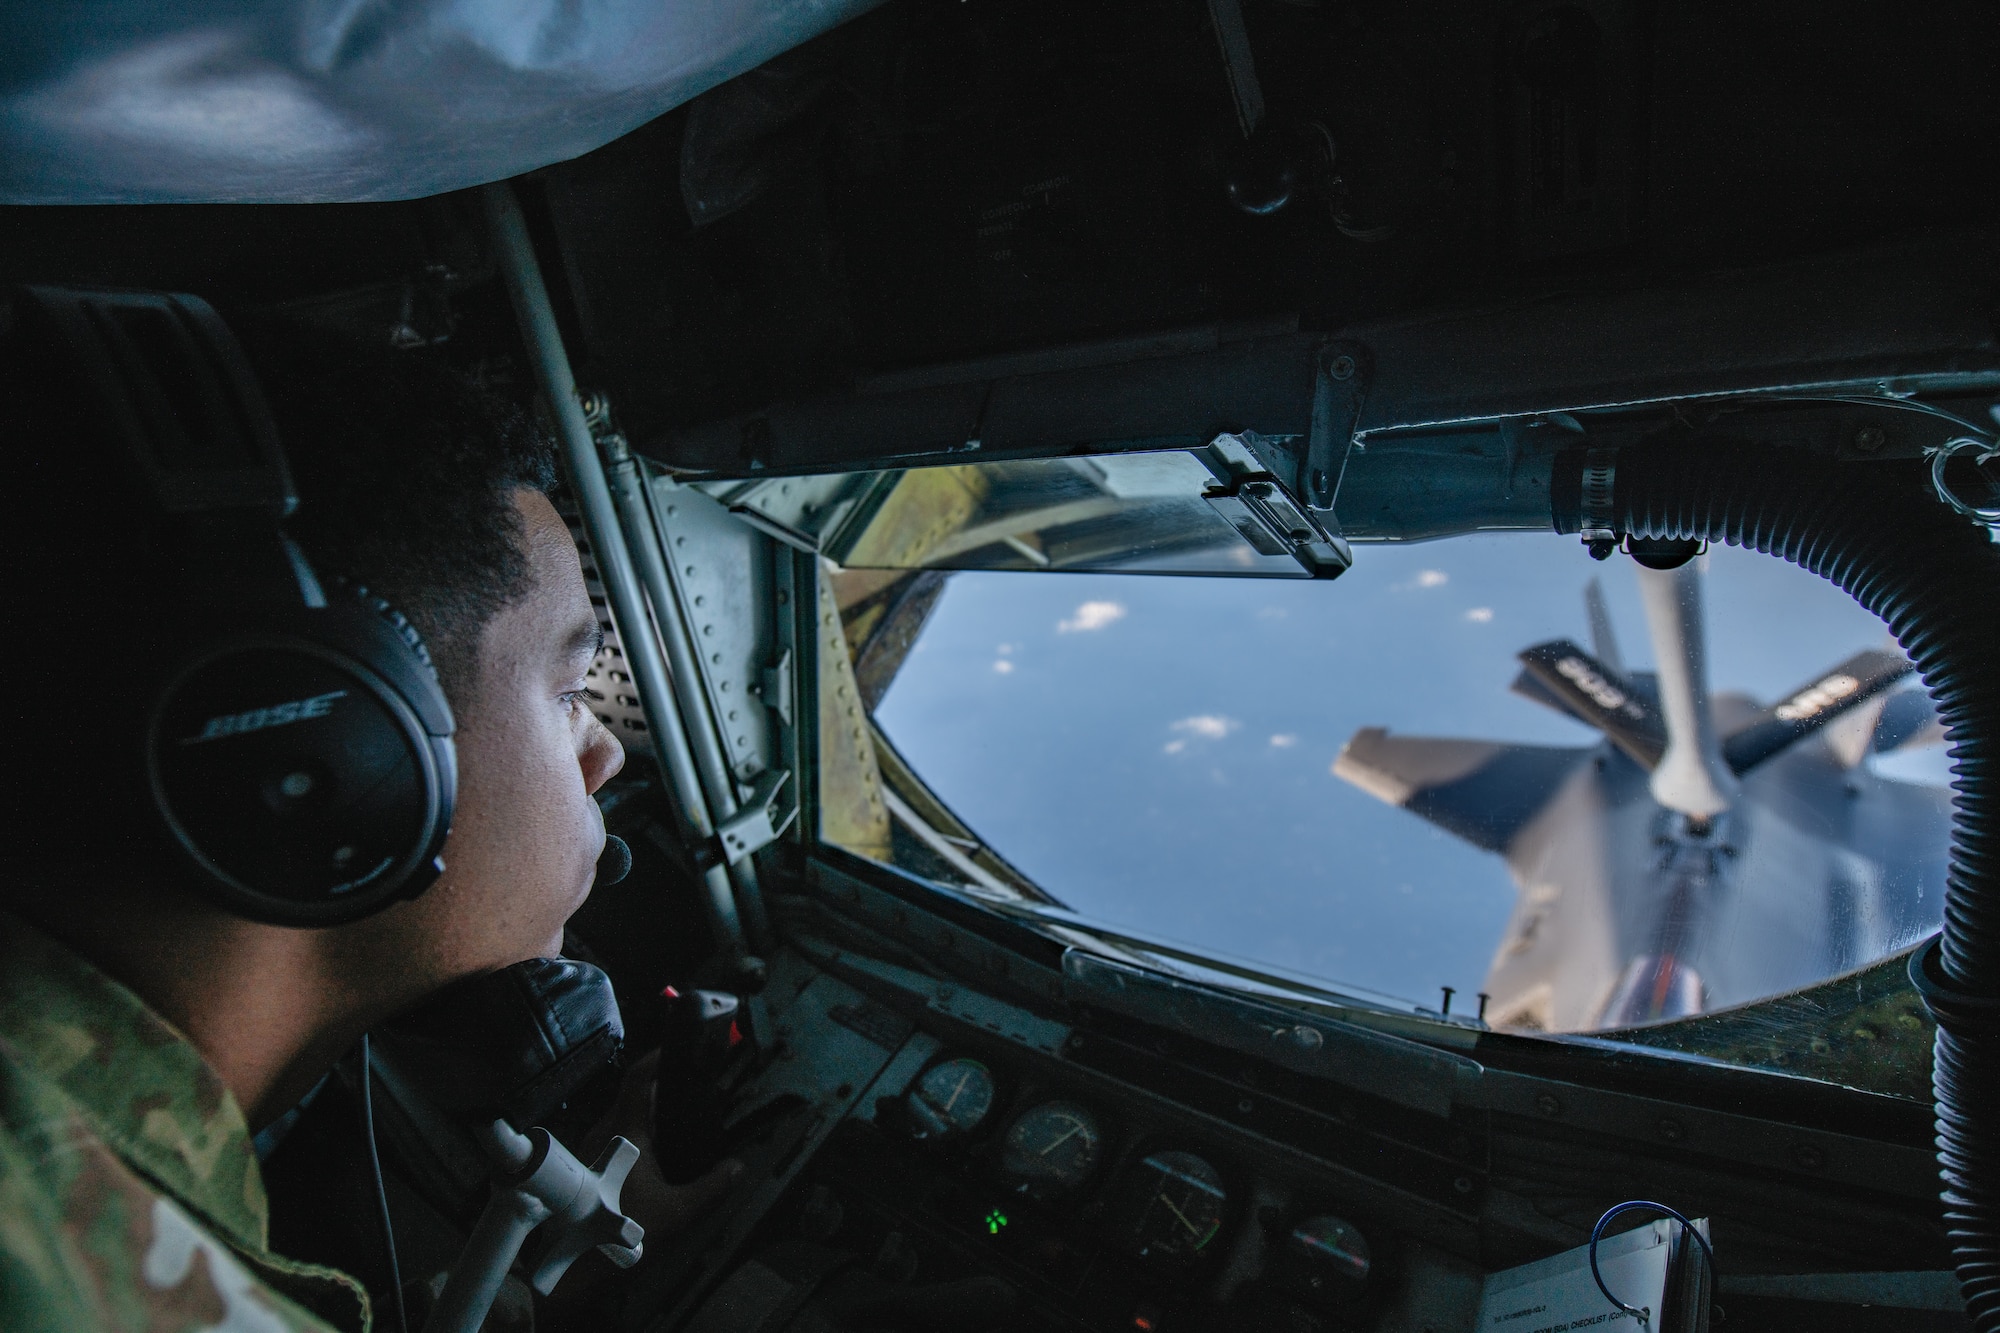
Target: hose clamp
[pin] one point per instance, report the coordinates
(1599, 476)
(1946, 1002)
(1988, 515)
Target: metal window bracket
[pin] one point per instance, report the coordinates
(1251, 498)
(774, 687)
(1340, 383)
(759, 822)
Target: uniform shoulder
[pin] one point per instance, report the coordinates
(90, 1238)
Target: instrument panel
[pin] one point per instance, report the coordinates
(962, 1163)
(1097, 1216)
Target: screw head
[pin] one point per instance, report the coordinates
(1671, 1130)
(1870, 438)
(1302, 1037)
(1548, 1104)
(1341, 367)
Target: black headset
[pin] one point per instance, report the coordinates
(297, 745)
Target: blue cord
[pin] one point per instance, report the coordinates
(1644, 1316)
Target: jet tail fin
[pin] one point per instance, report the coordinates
(1591, 691)
(1481, 791)
(1529, 687)
(1813, 705)
(1909, 720)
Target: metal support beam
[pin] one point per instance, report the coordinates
(711, 767)
(530, 298)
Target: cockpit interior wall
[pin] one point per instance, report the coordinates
(317, 101)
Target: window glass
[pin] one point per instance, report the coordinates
(1440, 770)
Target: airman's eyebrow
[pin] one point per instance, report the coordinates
(585, 640)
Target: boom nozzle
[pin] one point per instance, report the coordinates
(1692, 776)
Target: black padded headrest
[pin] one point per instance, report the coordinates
(514, 1043)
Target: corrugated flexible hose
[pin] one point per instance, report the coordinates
(1879, 531)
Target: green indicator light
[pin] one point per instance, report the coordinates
(994, 1221)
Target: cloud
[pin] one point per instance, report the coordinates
(1424, 578)
(1202, 726)
(1005, 650)
(1272, 613)
(1479, 615)
(1091, 616)
(1284, 740)
(1003, 666)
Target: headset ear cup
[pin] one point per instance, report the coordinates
(399, 623)
(306, 766)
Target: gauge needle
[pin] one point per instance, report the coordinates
(957, 1090)
(1193, 1230)
(1073, 1130)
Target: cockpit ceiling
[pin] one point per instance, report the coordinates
(799, 237)
(323, 101)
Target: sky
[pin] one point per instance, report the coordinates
(1156, 752)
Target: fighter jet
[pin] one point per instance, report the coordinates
(1707, 851)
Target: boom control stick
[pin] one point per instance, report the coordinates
(703, 1032)
(537, 1183)
(515, 1048)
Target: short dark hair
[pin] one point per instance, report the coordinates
(407, 471)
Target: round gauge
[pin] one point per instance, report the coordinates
(1175, 1205)
(951, 1098)
(1052, 1148)
(1329, 1254)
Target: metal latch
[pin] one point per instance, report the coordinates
(1252, 501)
(759, 823)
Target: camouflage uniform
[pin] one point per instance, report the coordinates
(129, 1192)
